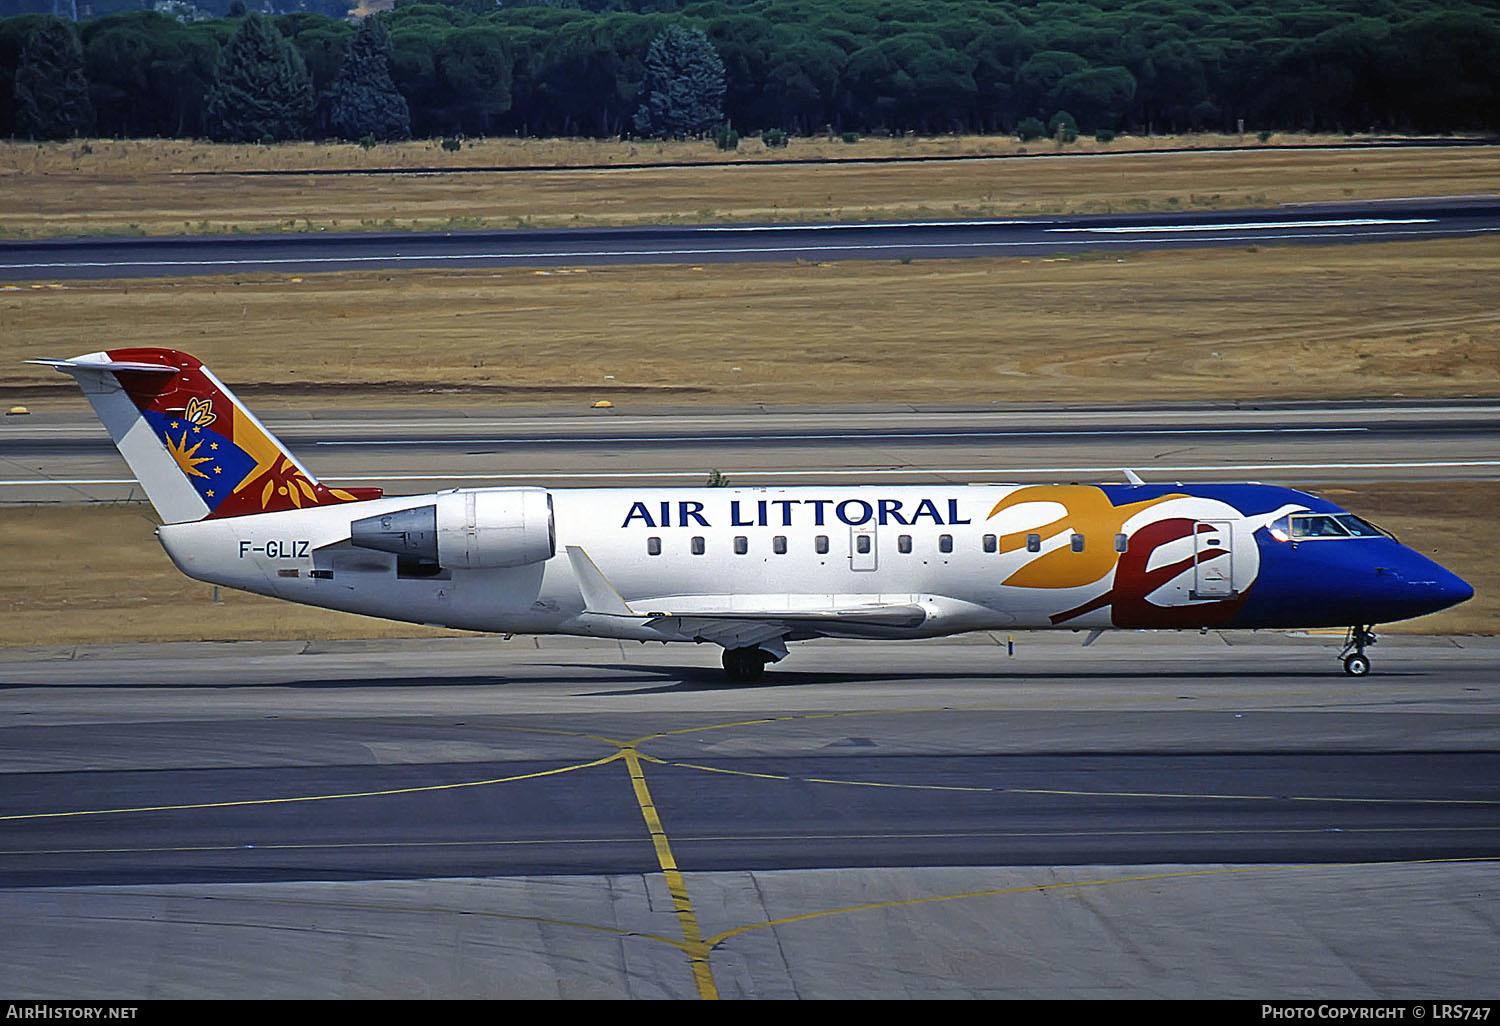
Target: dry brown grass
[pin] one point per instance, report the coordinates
(1412, 319)
(137, 187)
(97, 574)
(78, 575)
(124, 157)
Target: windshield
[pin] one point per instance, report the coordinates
(1305, 526)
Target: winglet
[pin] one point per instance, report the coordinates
(599, 596)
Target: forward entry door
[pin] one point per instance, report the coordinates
(1213, 560)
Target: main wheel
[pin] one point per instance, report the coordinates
(744, 665)
(1356, 665)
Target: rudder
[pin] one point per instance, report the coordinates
(195, 448)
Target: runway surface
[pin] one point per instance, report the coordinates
(1372, 221)
(64, 458)
(591, 818)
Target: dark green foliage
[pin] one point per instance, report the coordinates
(149, 74)
(1029, 129)
(261, 90)
(1062, 127)
(850, 137)
(364, 102)
(1101, 96)
(1104, 135)
(453, 144)
(726, 138)
(773, 138)
(52, 96)
(683, 91)
(823, 67)
(1039, 78)
(912, 81)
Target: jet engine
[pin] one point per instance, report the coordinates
(467, 529)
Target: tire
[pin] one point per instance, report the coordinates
(1356, 665)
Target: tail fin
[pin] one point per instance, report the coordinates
(199, 453)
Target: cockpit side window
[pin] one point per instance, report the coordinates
(1360, 528)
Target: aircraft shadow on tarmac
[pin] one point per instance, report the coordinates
(698, 678)
(686, 679)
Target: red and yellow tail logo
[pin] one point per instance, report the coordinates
(235, 464)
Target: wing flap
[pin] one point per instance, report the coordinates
(600, 597)
(879, 615)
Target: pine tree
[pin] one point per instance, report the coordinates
(261, 89)
(684, 85)
(52, 95)
(364, 99)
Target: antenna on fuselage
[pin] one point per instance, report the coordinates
(1131, 476)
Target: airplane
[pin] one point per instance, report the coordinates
(751, 569)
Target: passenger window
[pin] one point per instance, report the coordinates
(778, 545)
(1033, 543)
(1122, 543)
(821, 544)
(741, 545)
(862, 543)
(1077, 542)
(653, 546)
(945, 543)
(991, 543)
(903, 543)
(698, 546)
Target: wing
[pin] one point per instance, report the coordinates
(701, 617)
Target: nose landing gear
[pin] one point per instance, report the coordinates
(1356, 663)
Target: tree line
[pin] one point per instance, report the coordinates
(583, 67)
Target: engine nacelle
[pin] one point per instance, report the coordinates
(468, 529)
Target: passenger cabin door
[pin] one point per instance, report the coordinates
(862, 547)
(1213, 560)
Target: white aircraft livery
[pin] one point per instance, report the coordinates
(748, 569)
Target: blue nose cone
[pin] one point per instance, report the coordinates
(1420, 586)
(1451, 589)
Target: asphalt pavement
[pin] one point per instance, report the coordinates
(294, 253)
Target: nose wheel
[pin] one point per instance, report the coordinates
(1356, 663)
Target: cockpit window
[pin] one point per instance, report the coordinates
(1361, 528)
(1317, 525)
(1302, 526)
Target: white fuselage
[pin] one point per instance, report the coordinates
(711, 549)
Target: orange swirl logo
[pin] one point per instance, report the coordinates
(1086, 511)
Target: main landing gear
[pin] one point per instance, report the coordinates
(1356, 663)
(745, 665)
